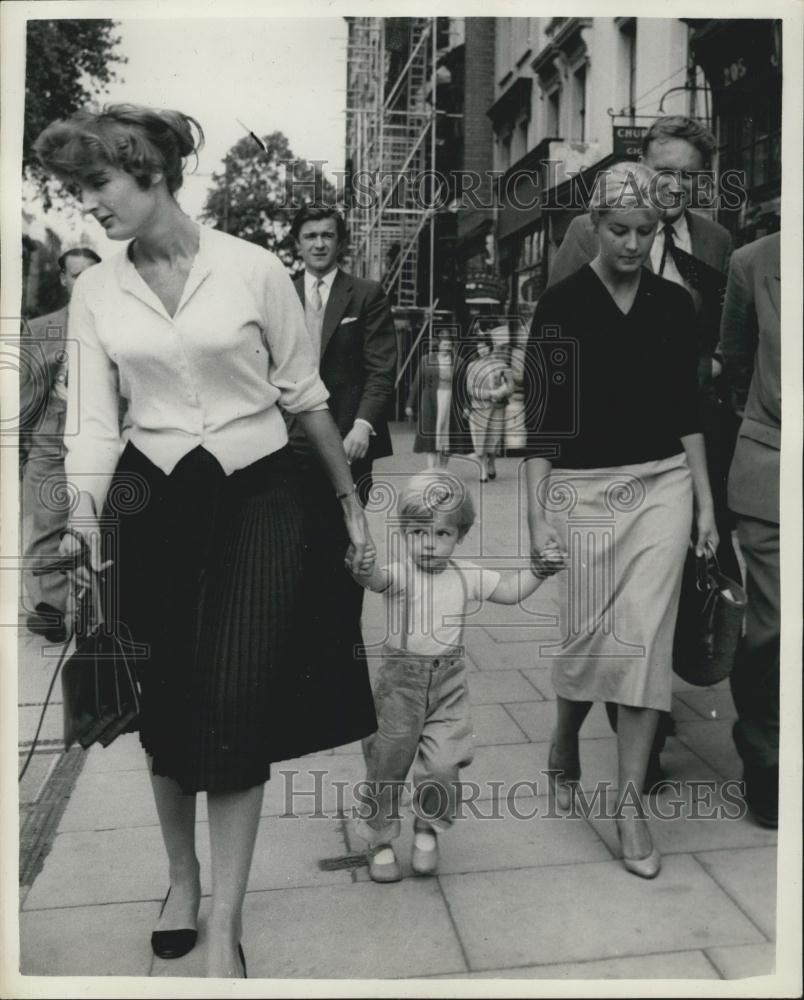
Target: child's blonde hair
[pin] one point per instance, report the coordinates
(436, 492)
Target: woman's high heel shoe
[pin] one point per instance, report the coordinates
(648, 866)
(173, 944)
(243, 960)
(562, 780)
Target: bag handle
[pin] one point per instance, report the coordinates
(95, 597)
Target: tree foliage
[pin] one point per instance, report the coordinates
(69, 63)
(259, 190)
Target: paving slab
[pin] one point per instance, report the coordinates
(52, 730)
(710, 703)
(501, 686)
(125, 754)
(491, 655)
(37, 662)
(129, 864)
(112, 940)
(316, 783)
(580, 912)
(749, 877)
(356, 931)
(744, 961)
(541, 678)
(492, 725)
(712, 741)
(672, 965)
(107, 800)
(111, 866)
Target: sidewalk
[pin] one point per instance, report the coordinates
(515, 897)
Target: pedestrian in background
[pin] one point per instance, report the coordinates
(489, 385)
(751, 344)
(430, 402)
(43, 408)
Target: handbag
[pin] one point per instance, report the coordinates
(711, 610)
(100, 689)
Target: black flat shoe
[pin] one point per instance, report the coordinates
(242, 959)
(173, 944)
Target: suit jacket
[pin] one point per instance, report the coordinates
(42, 347)
(711, 243)
(358, 359)
(751, 343)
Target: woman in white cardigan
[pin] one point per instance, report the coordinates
(194, 513)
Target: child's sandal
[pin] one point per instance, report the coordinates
(382, 864)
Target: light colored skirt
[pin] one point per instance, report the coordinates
(443, 403)
(628, 529)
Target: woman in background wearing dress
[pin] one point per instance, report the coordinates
(636, 459)
(489, 385)
(203, 335)
(430, 400)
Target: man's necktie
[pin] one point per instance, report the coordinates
(314, 314)
(315, 296)
(698, 275)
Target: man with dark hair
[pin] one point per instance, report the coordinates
(692, 251)
(350, 322)
(43, 406)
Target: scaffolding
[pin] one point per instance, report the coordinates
(391, 149)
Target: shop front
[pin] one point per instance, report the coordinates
(742, 62)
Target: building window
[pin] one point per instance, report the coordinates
(552, 125)
(519, 144)
(578, 129)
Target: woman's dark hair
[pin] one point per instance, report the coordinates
(142, 141)
(316, 212)
(85, 252)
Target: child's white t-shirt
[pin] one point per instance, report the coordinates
(425, 611)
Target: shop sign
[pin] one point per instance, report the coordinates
(627, 139)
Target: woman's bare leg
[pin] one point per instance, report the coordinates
(176, 813)
(233, 821)
(570, 716)
(636, 728)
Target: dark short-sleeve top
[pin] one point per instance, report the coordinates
(605, 388)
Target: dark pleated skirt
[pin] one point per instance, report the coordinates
(208, 578)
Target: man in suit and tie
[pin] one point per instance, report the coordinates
(350, 322)
(43, 406)
(692, 251)
(751, 344)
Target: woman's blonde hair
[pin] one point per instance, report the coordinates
(624, 185)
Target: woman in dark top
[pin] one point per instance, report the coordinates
(617, 458)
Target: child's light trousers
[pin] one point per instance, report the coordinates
(422, 705)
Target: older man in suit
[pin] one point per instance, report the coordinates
(43, 405)
(751, 343)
